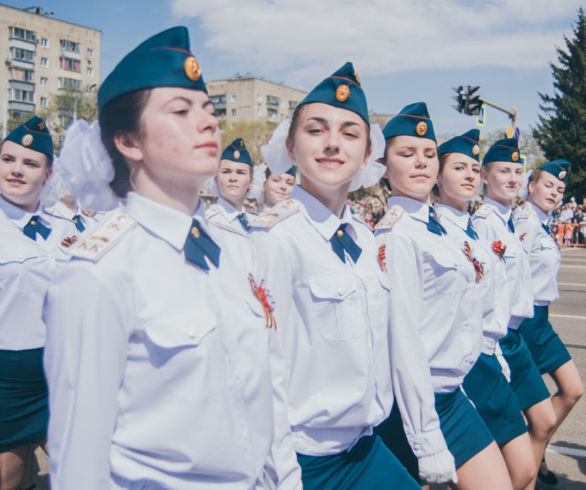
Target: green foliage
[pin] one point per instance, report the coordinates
(254, 133)
(561, 131)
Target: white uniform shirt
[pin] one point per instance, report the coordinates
(223, 219)
(158, 371)
(544, 255)
(490, 222)
(332, 326)
(433, 293)
(25, 273)
(496, 306)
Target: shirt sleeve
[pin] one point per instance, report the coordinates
(84, 361)
(410, 372)
(274, 267)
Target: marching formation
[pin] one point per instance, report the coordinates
(152, 343)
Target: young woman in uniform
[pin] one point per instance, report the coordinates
(434, 295)
(485, 384)
(157, 352)
(546, 189)
(277, 189)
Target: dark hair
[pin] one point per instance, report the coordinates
(121, 115)
(295, 123)
(536, 175)
(268, 173)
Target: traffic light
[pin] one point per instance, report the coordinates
(459, 98)
(473, 101)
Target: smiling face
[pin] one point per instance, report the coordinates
(329, 146)
(23, 172)
(503, 181)
(233, 180)
(546, 191)
(412, 166)
(458, 180)
(278, 189)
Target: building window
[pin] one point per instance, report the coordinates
(293, 105)
(22, 75)
(90, 52)
(22, 95)
(273, 101)
(44, 81)
(44, 102)
(90, 71)
(70, 64)
(23, 34)
(69, 83)
(259, 98)
(44, 42)
(272, 113)
(233, 98)
(22, 54)
(70, 46)
(233, 112)
(44, 62)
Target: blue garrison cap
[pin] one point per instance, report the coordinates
(237, 152)
(506, 150)
(33, 134)
(413, 120)
(163, 60)
(467, 144)
(292, 171)
(341, 89)
(560, 169)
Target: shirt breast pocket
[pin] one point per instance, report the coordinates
(336, 310)
(449, 278)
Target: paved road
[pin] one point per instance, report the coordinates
(566, 455)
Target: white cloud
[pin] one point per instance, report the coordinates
(301, 37)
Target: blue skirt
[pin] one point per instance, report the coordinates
(368, 465)
(463, 429)
(24, 411)
(547, 349)
(526, 379)
(494, 399)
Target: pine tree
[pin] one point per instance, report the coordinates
(561, 131)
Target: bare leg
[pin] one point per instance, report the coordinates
(12, 465)
(518, 455)
(485, 471)
(541, 420)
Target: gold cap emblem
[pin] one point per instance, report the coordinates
(27, 140)
(475, 150)
(421, 128)
(562, 175)
(192, 69)
(342, 93)
(515, 156)
(236, 154)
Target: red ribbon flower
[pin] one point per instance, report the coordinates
(499, 249)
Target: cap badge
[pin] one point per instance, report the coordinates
(562, 175)
(192, 69)
(475, 150)
(515, 156)
(27, 140)
(421, 128)
(342, 93)
(236, 154)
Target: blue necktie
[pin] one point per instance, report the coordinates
(243, 221)
(199, 245)
(341, 241)
(434, 224)
(470, 231)
(546, 228)
(511, 225)
(79, 223)
(34, 226)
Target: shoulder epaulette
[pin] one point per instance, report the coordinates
(389, 220)
(524, 212)
(483, 211)
(278, 212)
(212, 211)
(92, 246)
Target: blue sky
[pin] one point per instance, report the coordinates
(404, 50)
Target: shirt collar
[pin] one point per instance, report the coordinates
(543, 217)
(165, 222)
(457, 217)
(227, 209)
(19, 216)
(320, 216)
(414, 208)
(503, 212)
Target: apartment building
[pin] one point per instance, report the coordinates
(41, 55)
(253, 99)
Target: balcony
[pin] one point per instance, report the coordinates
(17, 105)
